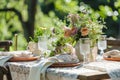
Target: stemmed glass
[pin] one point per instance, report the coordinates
(102, 45)
(42, 45)
(85, 48)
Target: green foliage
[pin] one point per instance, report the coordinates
(60, 45)
(41, 31)
(65, 6)
(56, 10)
(10, 23)
(109, 10)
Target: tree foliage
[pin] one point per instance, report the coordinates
(24, 16)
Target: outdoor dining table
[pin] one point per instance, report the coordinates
(94, 71)
(97, 70)
(20, 71)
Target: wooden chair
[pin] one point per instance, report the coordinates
(5, 45)
(113, 44)
(3, 70)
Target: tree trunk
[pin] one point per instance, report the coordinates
(29, 32)
(28, 26)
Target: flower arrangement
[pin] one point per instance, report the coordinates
(77, 26)
(83, 27)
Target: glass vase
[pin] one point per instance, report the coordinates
(91, 57)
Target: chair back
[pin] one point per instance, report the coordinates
(5, 45)
(113, 44)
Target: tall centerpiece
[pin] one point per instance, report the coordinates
(83, 26)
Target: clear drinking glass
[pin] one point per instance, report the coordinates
(102, 44)
(42, 45)
(85, 48)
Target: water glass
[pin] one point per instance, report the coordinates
(42, 45)
(85, 48)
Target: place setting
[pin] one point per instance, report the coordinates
(18, 56)
(110, 55)
(113, 55)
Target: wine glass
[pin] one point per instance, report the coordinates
(42, 45)
(102, 44)
(85, 48)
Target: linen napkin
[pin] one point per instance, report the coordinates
(3, 59)
(37, 71)
(17, 53)
(112, 54)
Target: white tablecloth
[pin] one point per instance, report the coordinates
(20, 71)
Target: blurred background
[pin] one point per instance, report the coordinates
(22, 17)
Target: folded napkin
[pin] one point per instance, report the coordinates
(3, 59)
(37, 71)
(66, 58)
(112, 54)
(17, 53)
